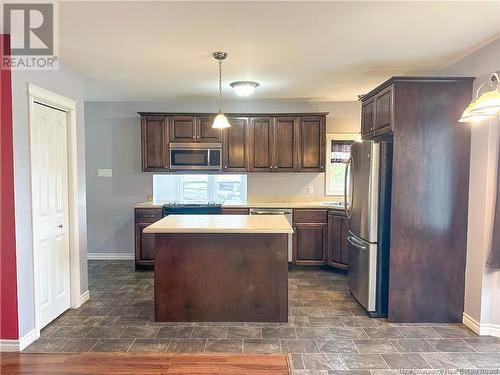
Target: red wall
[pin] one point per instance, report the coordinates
(8, 283)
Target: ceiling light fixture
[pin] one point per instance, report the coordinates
(486, 105)
(220, 121)
(244, 88)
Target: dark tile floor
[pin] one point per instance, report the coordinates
(327, 332)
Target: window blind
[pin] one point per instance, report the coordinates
(341, 151)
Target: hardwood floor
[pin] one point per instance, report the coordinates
(145, 363)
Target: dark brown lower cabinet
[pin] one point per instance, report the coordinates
(310, 236)
(337, 248)
(310, 242)
(144, 243)
(320, 236)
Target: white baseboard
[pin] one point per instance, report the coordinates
(471, 323)
(482, 329)
(27, 339)
(9, 345)
(18, 345)
(110, 256)
(84, 297)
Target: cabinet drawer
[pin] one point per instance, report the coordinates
(147, 215)
(310, 216)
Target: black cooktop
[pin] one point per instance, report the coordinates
(192, 208)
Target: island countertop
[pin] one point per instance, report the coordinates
(220, 224)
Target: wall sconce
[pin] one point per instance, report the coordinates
(486, 105)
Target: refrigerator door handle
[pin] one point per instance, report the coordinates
(348, 174)
(353, 242)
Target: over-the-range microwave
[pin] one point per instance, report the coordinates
(195, 156)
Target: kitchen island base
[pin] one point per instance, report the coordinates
(221, 277)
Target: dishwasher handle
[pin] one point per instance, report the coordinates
(270, 212)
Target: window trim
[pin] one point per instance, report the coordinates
(329, 138)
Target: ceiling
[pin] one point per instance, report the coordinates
(312, 51)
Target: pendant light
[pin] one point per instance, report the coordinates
(220, 121)
(485, 106)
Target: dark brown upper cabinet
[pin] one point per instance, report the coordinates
(368, 118)
(193, 129)
(235, 145)
(377, 114)
(154, 147)
(383, 111)
(291, 142)
(312, 144)
(182, 128)
(286, 144)
(273, 144)
(204, 130)
(262, 139)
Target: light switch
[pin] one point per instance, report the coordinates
(101, 172)
(310, 190)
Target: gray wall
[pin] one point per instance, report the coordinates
(112, 134)
(67, 83)
(482, 286)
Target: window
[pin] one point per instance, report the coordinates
(338, 154)
(200, 187)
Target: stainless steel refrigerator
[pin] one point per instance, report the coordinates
(368, 191)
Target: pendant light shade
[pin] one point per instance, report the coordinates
(220, 121)
(486, 105)
(472, 115)
(489, 102)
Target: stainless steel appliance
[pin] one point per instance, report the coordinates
(277, 211)
(192, 208)
(195, 156)
(367, 197)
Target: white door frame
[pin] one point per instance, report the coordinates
(41, 95)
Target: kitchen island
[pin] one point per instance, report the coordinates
(226, 268)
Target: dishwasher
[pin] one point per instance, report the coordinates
(278, 211)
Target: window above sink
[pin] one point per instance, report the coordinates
(200, 187)
(338, 149)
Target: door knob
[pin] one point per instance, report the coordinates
(60, 226)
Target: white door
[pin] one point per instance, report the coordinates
(49, 179)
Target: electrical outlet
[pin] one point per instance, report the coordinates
(310, 190)
(101, 172)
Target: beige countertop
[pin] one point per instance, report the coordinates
(221, 224)
(271, 204)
